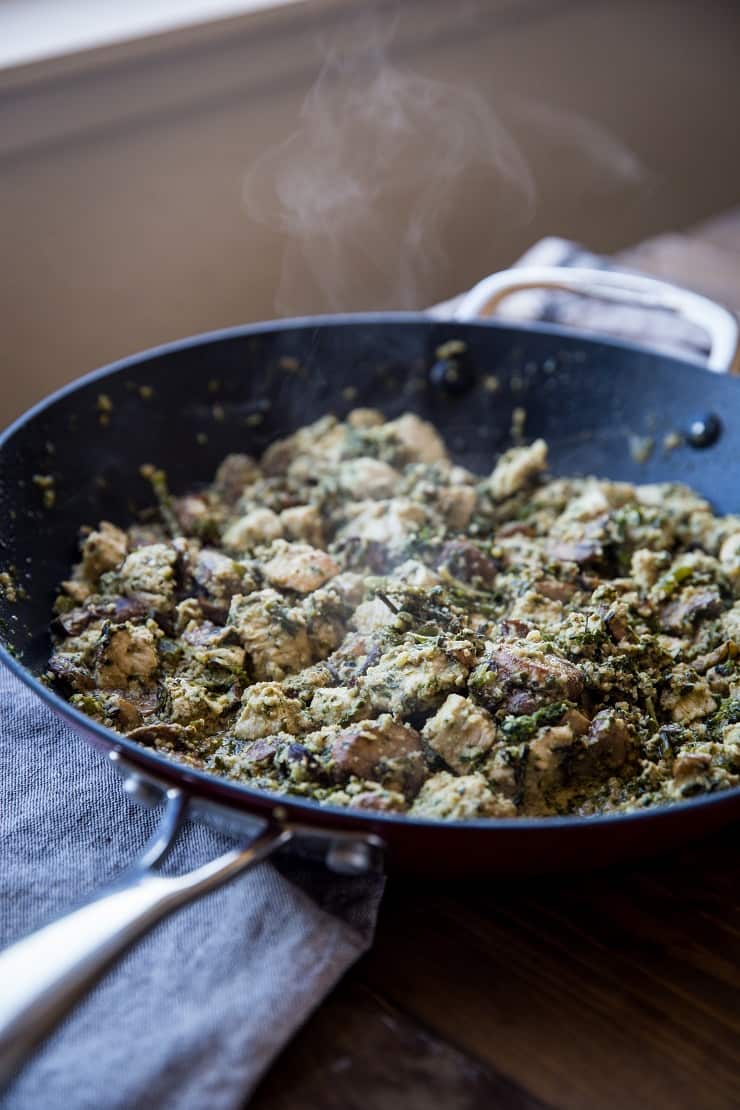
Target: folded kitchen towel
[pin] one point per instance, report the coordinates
(193, 1014)
(659, 328)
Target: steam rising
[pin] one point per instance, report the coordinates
(364, 191)
(611, 163)
(362, 188)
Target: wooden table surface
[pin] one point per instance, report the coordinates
(615, 989)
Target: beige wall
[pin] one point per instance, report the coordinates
(123, 222)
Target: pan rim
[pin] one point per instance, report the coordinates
(295, 323)
(237, 795)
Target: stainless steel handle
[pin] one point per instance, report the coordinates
(44, 975)
(719, 323)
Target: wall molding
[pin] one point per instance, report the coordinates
(254, 54)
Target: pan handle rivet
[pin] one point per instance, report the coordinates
(139, 790)
(349, 857)
(452, 370)
(704, 430)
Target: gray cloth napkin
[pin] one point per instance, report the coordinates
(196, 1012)
(659, 328)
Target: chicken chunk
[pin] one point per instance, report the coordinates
(338, 705)
(149, 571)
(303, 522)
(689, 697)
(647, 566)
(296, 566)
(266, 710)
(366, 478)
(326, 611)
(104, 549)
(446, 797)
(188, 701)
(516, 468)
(610, 738)
(412, 677)
(420, 440)
(127, 651)
(323, 440)
(372, 616)
(384, 522)
(365, 418)
(547, 765)
(255, 528)
(456, 504)
(274, 634)
(413, 573)
(460, 732)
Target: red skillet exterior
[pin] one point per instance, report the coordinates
(452, 849)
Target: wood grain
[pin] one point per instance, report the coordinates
(361, 1053)
(604, 990)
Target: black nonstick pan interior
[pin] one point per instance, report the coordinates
(184, 407)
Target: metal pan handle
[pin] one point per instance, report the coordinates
(719, 323)
(45, 974)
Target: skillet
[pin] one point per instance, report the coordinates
(183, 407)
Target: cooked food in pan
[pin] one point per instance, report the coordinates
(357, 620)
